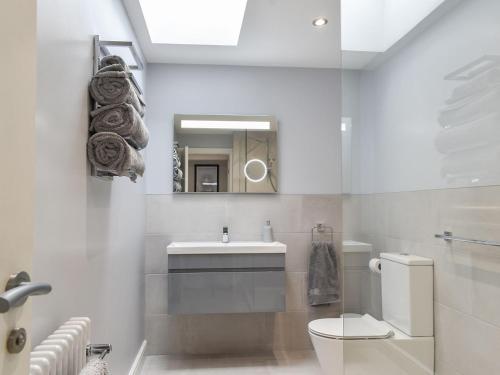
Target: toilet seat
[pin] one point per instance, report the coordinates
(364, 327)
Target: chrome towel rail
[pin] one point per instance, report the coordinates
(102, 350)
(449, 237)
(101, 48)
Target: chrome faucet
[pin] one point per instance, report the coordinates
(225, 234)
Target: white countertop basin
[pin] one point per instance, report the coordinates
(243, 247)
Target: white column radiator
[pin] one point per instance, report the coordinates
(64, 351)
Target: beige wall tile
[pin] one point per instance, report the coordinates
(297, 250)
(197, 218)
(351, 214)
(471, 345)
(357, 291)
(291, 331)
(164, 334)
(326, 209)
(485, 284)
(443, 368)
(156, 260)
(467, 277)
(296, 291)
(247, 214)
(156, 294)
(185, 214)
(453, 278)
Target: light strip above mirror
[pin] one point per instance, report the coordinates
(225, 124)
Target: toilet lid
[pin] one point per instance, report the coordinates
(364, 327)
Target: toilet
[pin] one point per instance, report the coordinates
(402, 343)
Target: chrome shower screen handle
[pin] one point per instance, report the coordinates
(18, 289)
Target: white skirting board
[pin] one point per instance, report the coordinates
(136, 367)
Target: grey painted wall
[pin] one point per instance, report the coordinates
(89, 233)
(306, 102)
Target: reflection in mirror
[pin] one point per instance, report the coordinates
(225, 154)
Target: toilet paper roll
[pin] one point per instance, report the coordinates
(375, 265)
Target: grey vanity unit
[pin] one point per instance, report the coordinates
(236, 277)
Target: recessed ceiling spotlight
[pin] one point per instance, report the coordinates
(320, 21)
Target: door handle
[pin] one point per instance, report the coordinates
(18, 289)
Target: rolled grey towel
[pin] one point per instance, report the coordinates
(114, 60)
(113, 68)
(123, 120)
(177, 187)
(114, 87)
(324, 287)
(121, 67)
(111, 154)
(117, 64)
(95, 366)
(176, 162)
(178, 175)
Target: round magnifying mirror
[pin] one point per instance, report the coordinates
(255, 170)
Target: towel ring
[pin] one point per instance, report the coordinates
(321, 229)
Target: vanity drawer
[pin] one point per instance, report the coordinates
(226, 292)
(225, 261)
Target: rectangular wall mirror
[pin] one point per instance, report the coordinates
(225, 154)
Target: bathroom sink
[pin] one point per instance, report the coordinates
(226, 278)
(243, 247)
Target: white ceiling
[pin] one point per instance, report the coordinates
(274, 33)
(280, 33)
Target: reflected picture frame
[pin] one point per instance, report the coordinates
(206, 178)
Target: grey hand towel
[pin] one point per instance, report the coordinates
(123, 120)
(110, 153)
(324, 287)
(114, 87)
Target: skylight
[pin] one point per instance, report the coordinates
(376, 25)
(198, 22)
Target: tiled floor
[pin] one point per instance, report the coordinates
(279, 363)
